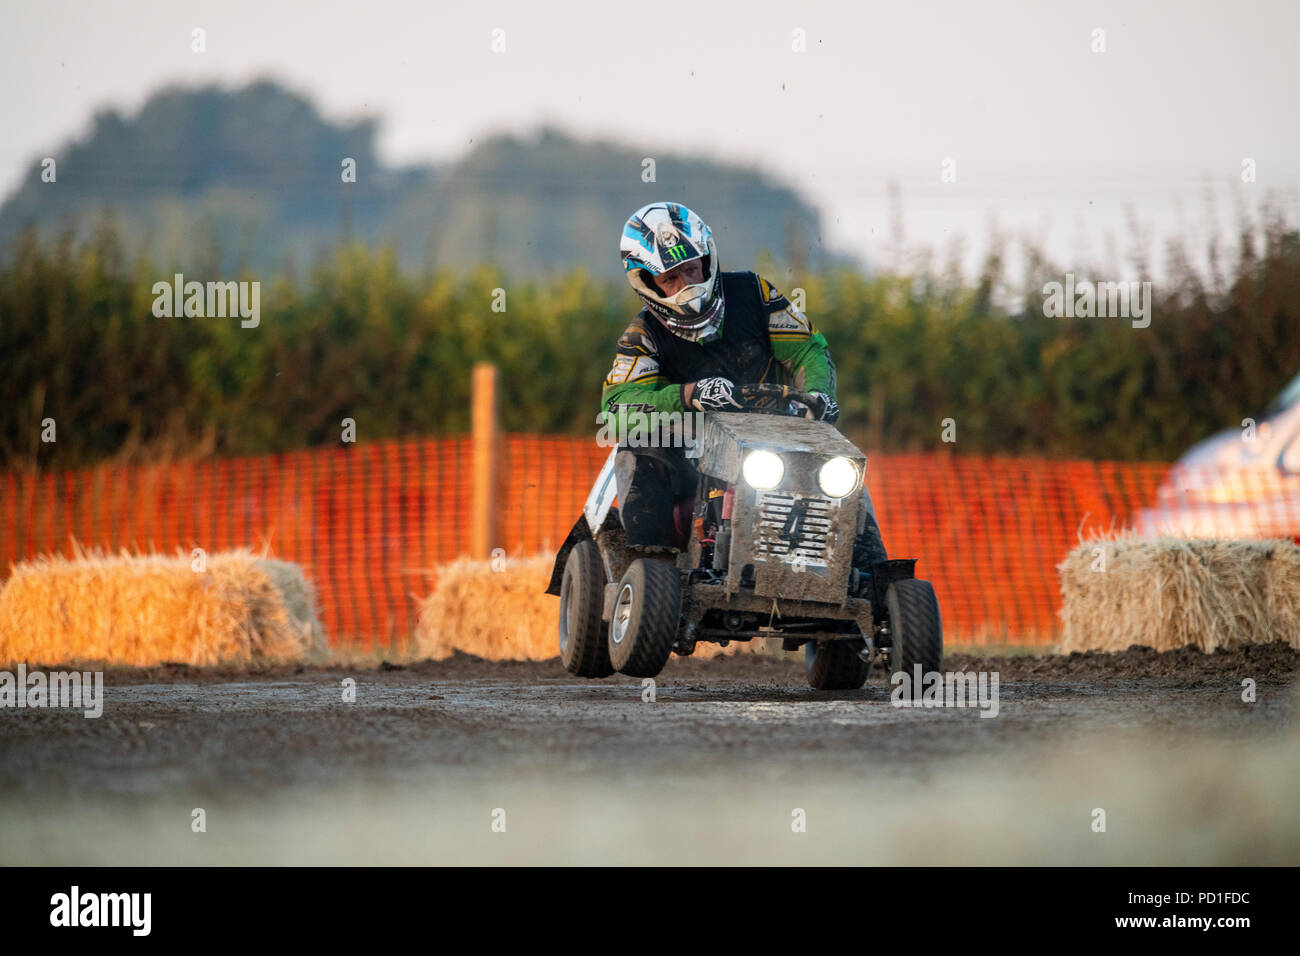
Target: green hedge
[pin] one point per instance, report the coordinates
(357, 338)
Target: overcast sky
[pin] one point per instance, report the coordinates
(1049, 138)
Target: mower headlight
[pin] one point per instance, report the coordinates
(763, 469)
(838, 477)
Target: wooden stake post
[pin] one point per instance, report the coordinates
(487, 467)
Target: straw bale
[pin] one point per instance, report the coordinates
(501, 612)
(142, 610)
(1167, 593)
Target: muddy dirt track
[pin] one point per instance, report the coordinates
(308, 775)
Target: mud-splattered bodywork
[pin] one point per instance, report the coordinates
(797, 540)
(790, 553)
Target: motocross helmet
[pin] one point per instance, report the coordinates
(662, 236)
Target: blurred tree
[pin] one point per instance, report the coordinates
(361, 338)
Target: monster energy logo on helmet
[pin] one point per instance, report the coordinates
(662, 236)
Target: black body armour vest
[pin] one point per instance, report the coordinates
(743, 353)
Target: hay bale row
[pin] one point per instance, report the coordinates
(502, 613)
(1167, 593)
(143, 610)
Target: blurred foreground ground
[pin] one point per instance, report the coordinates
(712, 771)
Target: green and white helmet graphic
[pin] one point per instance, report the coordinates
(662, 236)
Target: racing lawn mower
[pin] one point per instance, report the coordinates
(782, 544)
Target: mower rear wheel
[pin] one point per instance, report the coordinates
(647, 610)
(582, 599)
(916, 629)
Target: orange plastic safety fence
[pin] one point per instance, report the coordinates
(370, 523)
(989, 532)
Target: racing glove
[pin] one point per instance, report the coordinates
(713, 395)
(824, 410)
(830, 410)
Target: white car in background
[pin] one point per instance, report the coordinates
(1241, 483)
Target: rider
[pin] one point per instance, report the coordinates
(701, 335)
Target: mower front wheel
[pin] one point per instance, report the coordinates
(834, 665)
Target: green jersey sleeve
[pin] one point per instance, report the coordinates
(635, 385)
(797, 344)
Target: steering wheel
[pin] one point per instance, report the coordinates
(752, 396)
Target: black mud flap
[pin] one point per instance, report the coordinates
(580, 532)
(883, 574)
